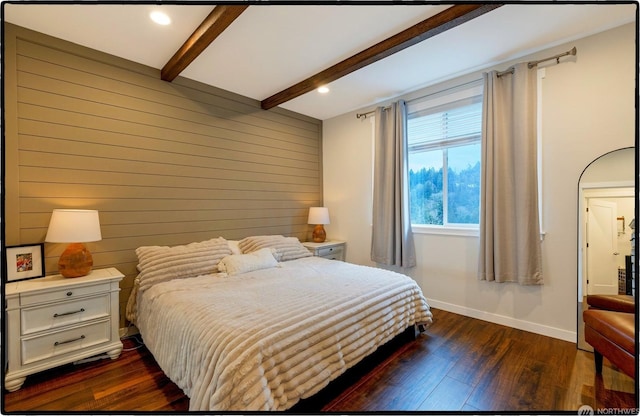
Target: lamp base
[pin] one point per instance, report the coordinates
(319, 235)
(75, 261)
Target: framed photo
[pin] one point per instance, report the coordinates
(25, 262)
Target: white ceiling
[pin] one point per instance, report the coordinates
(271, 47)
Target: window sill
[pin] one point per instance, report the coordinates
(458, 231)
(435, 230)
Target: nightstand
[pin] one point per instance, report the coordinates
(332, 250)
(55, 320)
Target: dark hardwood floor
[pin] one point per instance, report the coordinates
(459, 364)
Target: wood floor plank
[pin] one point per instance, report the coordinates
(482, 358)
(459, 364)
(449, 395)
(420, 383)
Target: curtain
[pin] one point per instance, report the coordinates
(510, 248)
(392, 239)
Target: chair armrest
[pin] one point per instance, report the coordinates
(618, 303)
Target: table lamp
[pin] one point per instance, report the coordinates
(318, 216)
(74, 226)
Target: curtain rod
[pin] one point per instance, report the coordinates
(531, 64)
(557, 57)
(364, 115)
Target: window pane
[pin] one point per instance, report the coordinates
(463, 184)
(443, 132)
(425, 187)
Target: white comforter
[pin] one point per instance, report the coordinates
(263, 340)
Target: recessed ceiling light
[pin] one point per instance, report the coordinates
(323, 90)
(160, 18)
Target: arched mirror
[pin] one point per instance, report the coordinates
(606, 220)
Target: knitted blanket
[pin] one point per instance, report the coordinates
(265, 339)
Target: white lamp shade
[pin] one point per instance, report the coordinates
(73, 226)
(318, 215)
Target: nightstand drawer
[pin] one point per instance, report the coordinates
(61, 342)
(331, 250)
(327, 251)
(65, 313)
(62, 294)
(333, 253)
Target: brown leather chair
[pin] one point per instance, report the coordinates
(609, 327)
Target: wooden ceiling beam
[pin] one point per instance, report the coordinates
(441, 22)
(218, 20)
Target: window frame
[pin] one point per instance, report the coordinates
(465, 91)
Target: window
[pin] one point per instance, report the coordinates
(444, 132)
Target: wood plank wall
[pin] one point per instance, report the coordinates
(164, 163)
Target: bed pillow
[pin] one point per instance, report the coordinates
(286, 248)
(159, 264)
(244, 263)
(233, 245)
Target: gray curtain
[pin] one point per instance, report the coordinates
(510, 248)
(392, 239)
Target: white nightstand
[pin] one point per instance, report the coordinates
(55, 320)
(332, 250)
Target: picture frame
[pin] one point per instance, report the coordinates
(25, 262)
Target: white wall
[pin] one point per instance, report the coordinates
(587, 110)
(626, 208)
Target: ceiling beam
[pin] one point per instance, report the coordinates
(441, 22)
(218, 20)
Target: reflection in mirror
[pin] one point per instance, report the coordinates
(606, 203)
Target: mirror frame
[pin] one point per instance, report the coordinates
(634, 182)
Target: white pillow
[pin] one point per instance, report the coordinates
(235, 248)
(243, 263)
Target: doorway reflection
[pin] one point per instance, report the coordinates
(606, 203)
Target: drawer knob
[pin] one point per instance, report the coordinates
(55, 344)
(69, 293)
(55, 315)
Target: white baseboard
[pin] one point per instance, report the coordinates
(545, 330)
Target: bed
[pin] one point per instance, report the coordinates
(259, 324)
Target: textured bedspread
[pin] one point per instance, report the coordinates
(263, 340)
